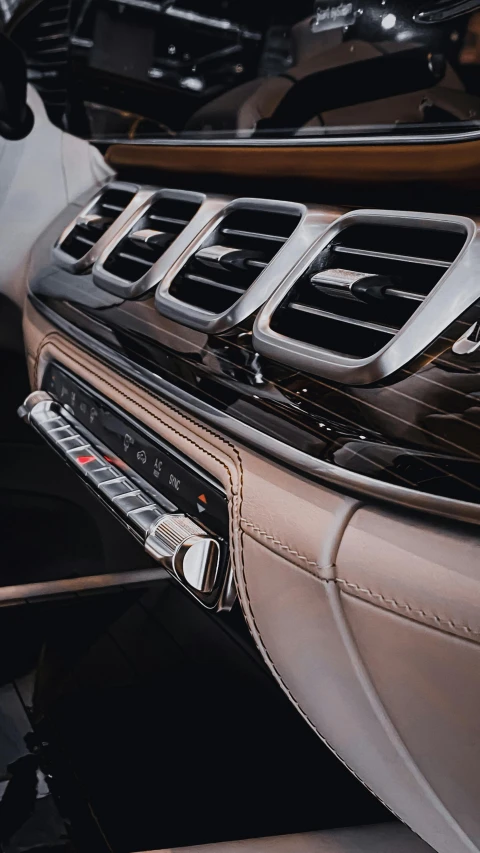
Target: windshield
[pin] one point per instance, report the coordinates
(244, 69)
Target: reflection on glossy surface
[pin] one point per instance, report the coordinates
(420, 431)
(241, 68)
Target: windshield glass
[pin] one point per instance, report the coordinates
(244, 69)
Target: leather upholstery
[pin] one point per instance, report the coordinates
(368, 680)
(384, 838)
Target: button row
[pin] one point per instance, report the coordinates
(125, 496)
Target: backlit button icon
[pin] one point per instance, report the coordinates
(142, 456)
(127, 442)
(201, 503)
(84, 460)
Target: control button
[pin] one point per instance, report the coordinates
(84, 458)
(144, 518)
(69, 443)
(61, 431)
(100, 475)
(88, 462)
(80, 445)
(67, 440)
(118, 487)
(53, 423)
(129, 503)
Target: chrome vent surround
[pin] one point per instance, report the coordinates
(158, 232)
(234, 265)
(370, 295)
(82, 241)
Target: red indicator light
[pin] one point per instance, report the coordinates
(115, 461)
(82, 460)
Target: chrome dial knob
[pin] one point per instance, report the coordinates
(184, 547)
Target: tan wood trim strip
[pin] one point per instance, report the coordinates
(449, 162)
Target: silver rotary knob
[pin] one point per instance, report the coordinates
(186, 549)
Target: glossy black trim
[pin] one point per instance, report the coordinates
(176, 393)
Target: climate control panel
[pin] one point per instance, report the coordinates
(177, 511)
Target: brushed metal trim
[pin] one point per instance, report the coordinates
(313, 221)
(209, 205)
(454, 293)
(78, 265)
(318, 469)
(43, 589)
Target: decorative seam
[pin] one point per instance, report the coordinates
(392, 604)
(245, 605)
(280, 544)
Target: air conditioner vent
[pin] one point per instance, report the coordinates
(236, 252)
(150, 237)
(367, 281)
(78, 241)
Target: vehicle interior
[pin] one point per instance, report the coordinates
(240, 383)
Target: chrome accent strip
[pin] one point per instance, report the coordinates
(313, 222)
(74, 265)
(299, 141)
(209, 205)
(318, 469)
(454, 293)
(24, 592)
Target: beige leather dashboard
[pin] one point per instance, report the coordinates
(369, 620)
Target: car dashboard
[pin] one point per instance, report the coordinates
(254, 339)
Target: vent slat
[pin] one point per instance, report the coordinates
(85, 240)
(135, 258)
(389, 256)
(199, 279)
(170, 220)
(309, 309)
(404, 294)
(252, 235)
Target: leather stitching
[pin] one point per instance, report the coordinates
(406, 609)
(280, 544)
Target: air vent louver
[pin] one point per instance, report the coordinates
(370, 276)
(228, 262)
(150, 237)
(95, 220)
(365, 285)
